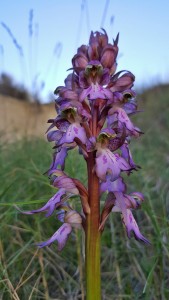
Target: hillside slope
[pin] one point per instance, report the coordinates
(20, 118)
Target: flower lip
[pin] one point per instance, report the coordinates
(61, 236)
(109, 163)
(131, 226)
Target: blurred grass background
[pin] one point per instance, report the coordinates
(130, 270)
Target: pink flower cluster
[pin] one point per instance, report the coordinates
(93, 88)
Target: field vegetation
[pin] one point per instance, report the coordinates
(130, 270)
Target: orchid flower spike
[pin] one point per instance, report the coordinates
(93, 111)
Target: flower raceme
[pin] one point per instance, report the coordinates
(93, 115)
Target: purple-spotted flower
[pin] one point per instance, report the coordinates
(93, 111)
(67, 189)
(93, 80)
(109, 163)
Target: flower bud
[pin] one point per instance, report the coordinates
(108, 56)
(79, 61)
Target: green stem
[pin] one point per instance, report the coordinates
(92, 245)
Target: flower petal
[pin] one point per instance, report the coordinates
(122, 163)
(54, 136)
(109, 163)
(79, 61)
(59, 159)
(117, 185)
(66, 183)
(126, 154)
(131, 225)
(106, 163)
(119, 114)
(74, 130)
(49, 206)
(122, 83)
(108, 56)
(61, 236)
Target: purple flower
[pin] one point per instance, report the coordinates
(108, 57)
(75, 130)
(93, 80)
(124, 201)
(79, 61)
(72, 186)
(54, 136)
(131, 225)
(118, 114)
(117, 201)
(50, 206)
(112, 139)
(123, 204)
(93, 110)
(69, 129)
(126, 154)
(61, 236)
(59, 159)
(66, 187)
(120, 84)
(71, 219)
(110, 163)
(61, 181)
(117, 185)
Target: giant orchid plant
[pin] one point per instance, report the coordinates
(93, 112)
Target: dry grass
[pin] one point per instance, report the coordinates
(23, 119)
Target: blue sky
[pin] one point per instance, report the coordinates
(59, 27)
